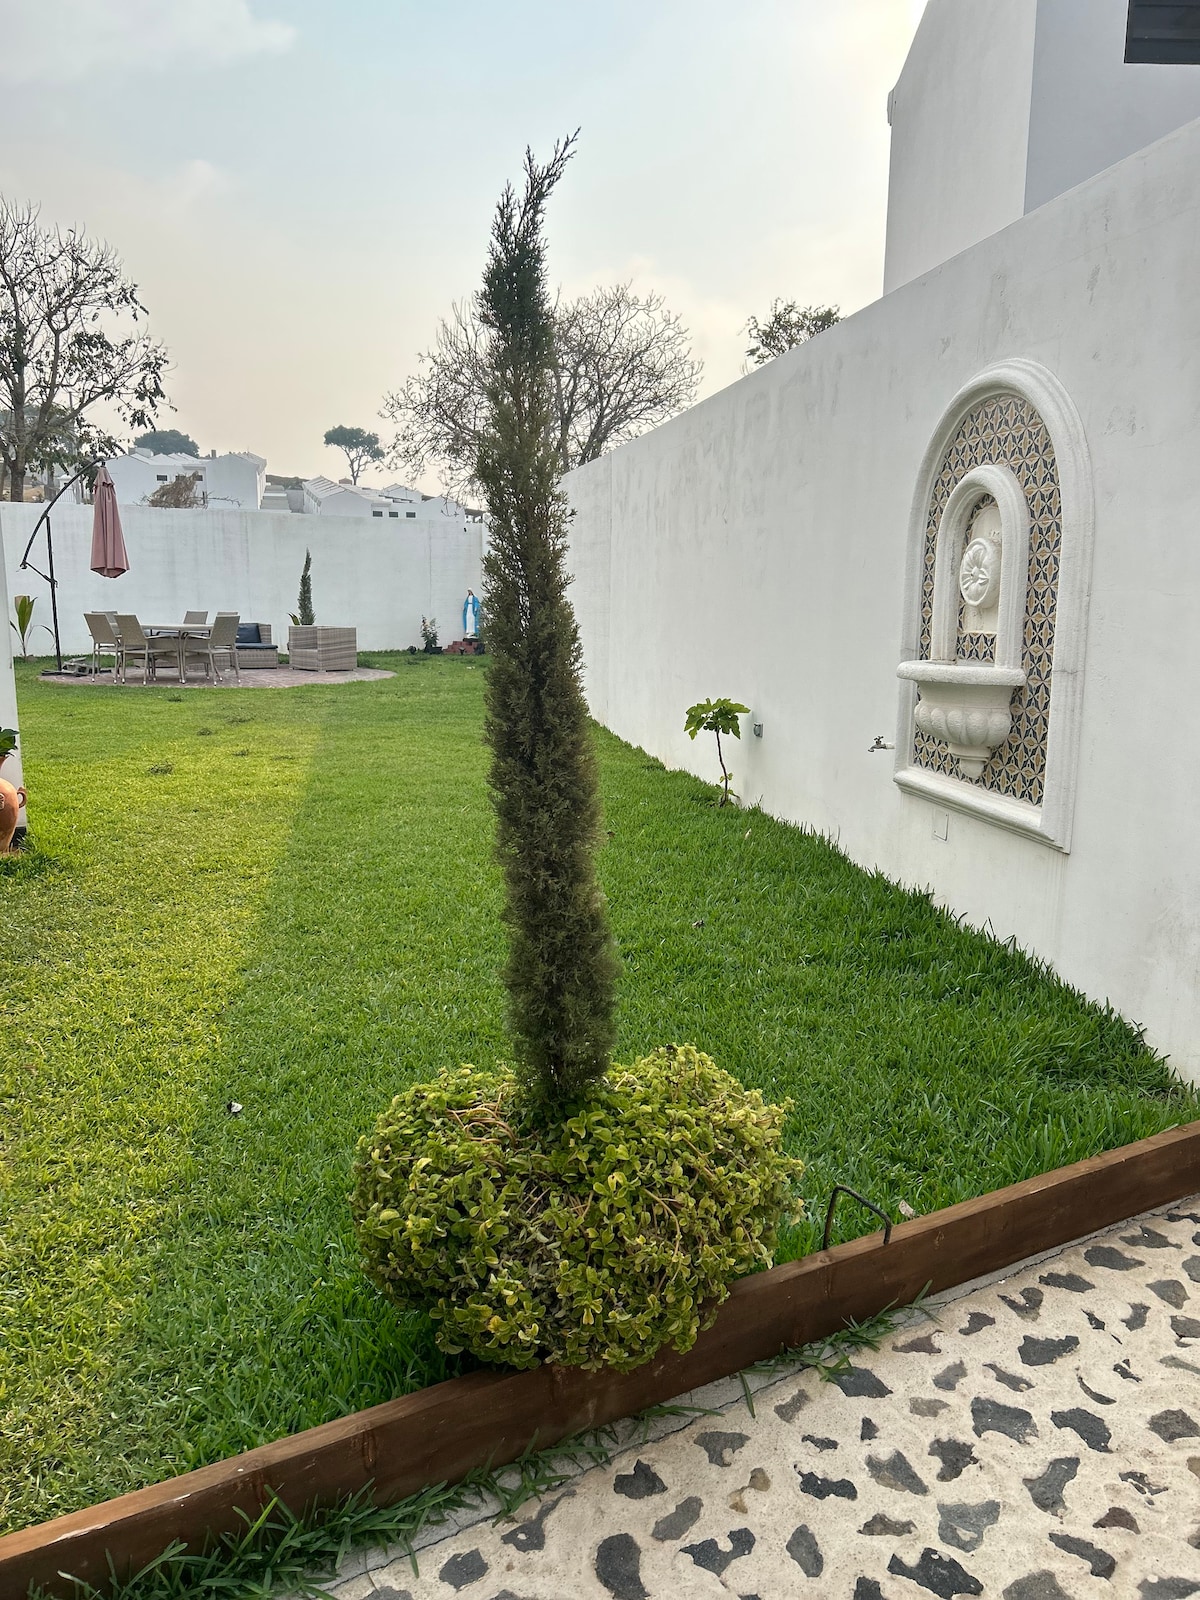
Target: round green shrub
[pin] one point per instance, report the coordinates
(592, 1242)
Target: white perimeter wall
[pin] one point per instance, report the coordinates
(378, 577)
(755, 547)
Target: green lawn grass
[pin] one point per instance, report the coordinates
(285, 900)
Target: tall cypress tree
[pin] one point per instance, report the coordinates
(561, 969)
(304, 609)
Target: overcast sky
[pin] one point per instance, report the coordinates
(301, 188)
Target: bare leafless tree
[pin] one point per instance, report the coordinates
(71, 364)
(622, 364)
(183, 493)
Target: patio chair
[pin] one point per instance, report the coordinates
(221, 641)
(106, 641)
(195, 619)
(135, 643)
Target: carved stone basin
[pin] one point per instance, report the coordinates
(965, 704)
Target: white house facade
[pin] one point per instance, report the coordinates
(232, 482)
(325, 498)
(1004, 104)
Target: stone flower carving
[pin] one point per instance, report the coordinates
(979, 574)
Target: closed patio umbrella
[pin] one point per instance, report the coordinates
(109, 556)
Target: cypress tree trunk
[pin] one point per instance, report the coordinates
(561, 969)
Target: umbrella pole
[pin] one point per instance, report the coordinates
(49, 576)
(53, 596)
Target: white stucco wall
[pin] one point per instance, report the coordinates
(755, 547)
(960, 131)
(1003, 105)
(11, 769)
(1088, 108)
(378, 577)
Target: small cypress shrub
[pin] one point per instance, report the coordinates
(304, 605)
(563, 1209)
(561, 969)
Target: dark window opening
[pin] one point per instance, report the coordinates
(1163, 35)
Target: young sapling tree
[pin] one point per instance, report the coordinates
(717, 716)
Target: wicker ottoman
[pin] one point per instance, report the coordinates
(323, 649)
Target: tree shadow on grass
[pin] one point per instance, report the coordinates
(373, 963)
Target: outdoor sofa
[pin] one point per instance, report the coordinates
(255, 652)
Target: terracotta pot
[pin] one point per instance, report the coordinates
(11, 801)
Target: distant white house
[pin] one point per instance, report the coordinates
(229, 482)
(401, 492)
(323, 497)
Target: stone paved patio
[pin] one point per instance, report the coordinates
(1037, 1438)
(282, 677)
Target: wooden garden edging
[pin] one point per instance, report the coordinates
(441, 1433)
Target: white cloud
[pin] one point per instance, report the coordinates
(197, 181)
(65, 39)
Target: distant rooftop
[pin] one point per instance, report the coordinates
(181, 458)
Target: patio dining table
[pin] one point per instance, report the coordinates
(180, 632)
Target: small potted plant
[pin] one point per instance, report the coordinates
(429, 636)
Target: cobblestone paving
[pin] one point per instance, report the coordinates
(1036, 1439)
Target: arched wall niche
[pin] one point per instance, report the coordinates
(1011, 435)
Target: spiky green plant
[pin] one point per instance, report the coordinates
(23, 605)
(561, 968)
